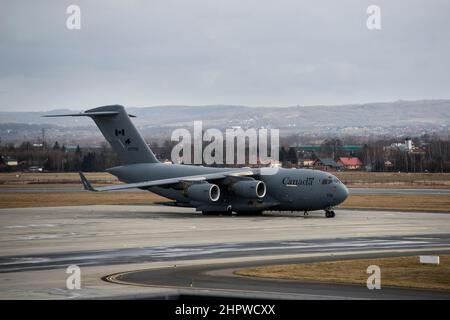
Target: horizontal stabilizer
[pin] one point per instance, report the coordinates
(87, 114)
(86, 184)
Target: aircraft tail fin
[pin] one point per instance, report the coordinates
(117, 128)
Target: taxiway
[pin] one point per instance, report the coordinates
(37, 244)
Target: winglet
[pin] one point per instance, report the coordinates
(86, 184)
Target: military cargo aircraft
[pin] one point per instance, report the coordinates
(210, 190)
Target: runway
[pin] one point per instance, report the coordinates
(399, 191)
(65, 189)
(52, 189)
(37, 245)
(218, 251)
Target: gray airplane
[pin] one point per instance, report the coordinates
(210, 190)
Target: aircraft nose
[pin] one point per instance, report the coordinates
(343, 192)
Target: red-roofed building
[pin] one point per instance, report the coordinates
(350, 163)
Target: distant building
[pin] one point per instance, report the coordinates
(350, 149)
(327, 164)
(409, 144)
(406, 147)
(308, 150)
(308, 163)
(350, 163)
(71, 148)
(10, 162)
(388, 164)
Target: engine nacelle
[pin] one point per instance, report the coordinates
(203, 192)
(249, 189)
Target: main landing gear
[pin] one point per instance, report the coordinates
(329, 213)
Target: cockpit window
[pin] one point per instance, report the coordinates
(326, 181)
(336, 180)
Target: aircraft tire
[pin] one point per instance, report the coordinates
(249, 213)
(216, 213)
(330, 214)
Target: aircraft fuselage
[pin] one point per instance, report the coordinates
(287, 189)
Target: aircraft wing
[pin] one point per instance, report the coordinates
(244, 172)
(87, 114)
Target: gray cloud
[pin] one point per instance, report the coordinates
(142, 53)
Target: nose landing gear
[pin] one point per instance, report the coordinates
(329, 213)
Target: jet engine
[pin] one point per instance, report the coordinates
(249, 189)
(204, 192)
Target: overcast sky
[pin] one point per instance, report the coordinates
(199, 52)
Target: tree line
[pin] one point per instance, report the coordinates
(58, 158)
(431, 155)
